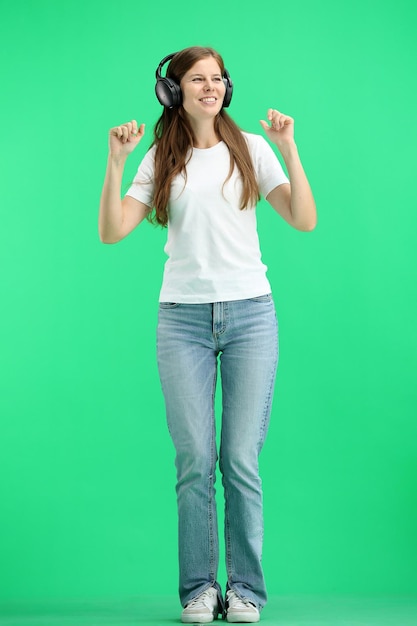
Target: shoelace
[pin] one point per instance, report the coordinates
(200, 601)
(237, 602)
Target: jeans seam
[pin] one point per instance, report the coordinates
(227, 536)
(268, 402)
(211, 494)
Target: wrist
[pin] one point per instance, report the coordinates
(117, 160)
(288, 149)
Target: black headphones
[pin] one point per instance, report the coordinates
(169, 93)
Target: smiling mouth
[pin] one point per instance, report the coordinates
(211, 99)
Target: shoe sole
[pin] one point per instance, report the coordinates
(196, 620)
(242, 619)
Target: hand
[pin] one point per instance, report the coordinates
(281, 130)
(123, 139)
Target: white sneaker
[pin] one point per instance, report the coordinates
(203, 609)
(240, 610)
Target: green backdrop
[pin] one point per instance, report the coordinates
(86, 464)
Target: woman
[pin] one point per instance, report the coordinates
(202, 178)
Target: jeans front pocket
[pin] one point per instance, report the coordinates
(265, 298)
(169, 305)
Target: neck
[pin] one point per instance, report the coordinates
(204, 133)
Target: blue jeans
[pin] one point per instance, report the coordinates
(190, 338)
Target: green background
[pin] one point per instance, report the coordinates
(86, 464)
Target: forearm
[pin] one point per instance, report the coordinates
(111, 213)
(303, 207)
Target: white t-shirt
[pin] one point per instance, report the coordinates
(212, 246)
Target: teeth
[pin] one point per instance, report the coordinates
(208, 99)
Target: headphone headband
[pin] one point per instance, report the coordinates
(168, 90)
(162, 63)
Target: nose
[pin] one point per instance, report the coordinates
(208, 86)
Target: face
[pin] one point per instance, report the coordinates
(203, 89)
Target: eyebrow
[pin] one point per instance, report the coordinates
(202, 75)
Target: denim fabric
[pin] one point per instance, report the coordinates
(242, 336)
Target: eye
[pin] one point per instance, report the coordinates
(217, 79)
(196, 80)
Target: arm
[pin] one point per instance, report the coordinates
(117, 217)
(294, 202)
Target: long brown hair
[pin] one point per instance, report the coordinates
(173, 138)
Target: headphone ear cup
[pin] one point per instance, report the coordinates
(229, 89)
(168, 92)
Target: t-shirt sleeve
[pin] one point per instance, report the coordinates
(269, 171)
(143, 184)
